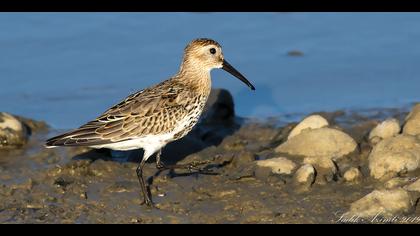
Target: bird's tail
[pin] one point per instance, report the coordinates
(79, 137)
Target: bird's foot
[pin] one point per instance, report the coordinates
(161, 166)
(149, 203)
(190, 167)
(194, 168)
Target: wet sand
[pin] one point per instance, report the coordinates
(80, 185)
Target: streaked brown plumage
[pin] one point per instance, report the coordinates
(153, 117)
(147, 112)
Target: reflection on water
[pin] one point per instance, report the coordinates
(66, 68)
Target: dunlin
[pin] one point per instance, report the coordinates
(153, 117)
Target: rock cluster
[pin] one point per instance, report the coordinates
(318, 151)
(316, 147)
(394, 155)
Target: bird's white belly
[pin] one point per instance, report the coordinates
(150, 143)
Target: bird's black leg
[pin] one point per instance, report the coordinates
(159, 164)
(147, 200)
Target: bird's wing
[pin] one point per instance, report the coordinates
(151, 111)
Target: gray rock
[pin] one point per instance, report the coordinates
(412, 121)
(325, 168)
(243, 158)
(305, 175)
(219, 108)
(386, 129)
(325, 142)
(218, 118)
(321, 162)
(279, 165)
(13, 133)
(385, 203)
(396, 182)
(310, 122)
(393, 156)
(414, 187)
(352, 175)
(33, 125)
(262, 173)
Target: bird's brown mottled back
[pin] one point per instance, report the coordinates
(148, 112)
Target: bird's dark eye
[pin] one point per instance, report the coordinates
(212, 50)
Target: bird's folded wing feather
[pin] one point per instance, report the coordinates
(146, 112)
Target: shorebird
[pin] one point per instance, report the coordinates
(153, 117)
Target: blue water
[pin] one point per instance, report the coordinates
(66, 68)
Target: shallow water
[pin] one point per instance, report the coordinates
(66, 68)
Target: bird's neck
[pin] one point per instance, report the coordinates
(195, 77)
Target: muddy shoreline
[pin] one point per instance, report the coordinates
(80, 185)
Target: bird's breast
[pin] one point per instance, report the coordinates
(195, 109)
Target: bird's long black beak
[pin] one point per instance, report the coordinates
(227, 67)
